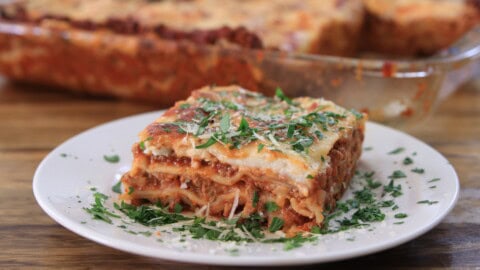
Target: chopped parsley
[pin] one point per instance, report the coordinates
(184, 106)
(271, 206)
(315, 229)
(371, 183)
(290, 131)
(177, 208)
(396, 151)
(112, 158)
(243, 127)
(98, 210)
(418, 170)
(255, 198)
(145, 233)
(117, 188)
(296, 241)
(318, 134)
(276, 224)
(407, 161)
(260, 147)
(368, 214)
(207, 144)
(279, 93)
(397, 175)
(233, 252)
(225, 123)
(360, 211)
(142, 143)
(357, 114)
(364, 196)
(149, 215)
(130, 190)
(427, 202)
(392, 189)
(388, 203)
(434, 180)
(237, 229)
(275, 125)
(401, 215)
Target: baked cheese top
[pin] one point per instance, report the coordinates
(288, 137)
(290, 25)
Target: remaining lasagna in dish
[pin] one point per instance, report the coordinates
(413, 27)
(158, 51)
(228, 152)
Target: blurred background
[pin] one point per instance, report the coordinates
(70, 65)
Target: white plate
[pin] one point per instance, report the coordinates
(63, 180)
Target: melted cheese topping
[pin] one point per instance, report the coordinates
(269, 118)
(287, 24)
(410, 10)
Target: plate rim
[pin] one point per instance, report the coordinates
(244, 260)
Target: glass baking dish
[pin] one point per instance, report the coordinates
(398, 93)
(395, 92)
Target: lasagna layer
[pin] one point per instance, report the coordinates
(298, 155)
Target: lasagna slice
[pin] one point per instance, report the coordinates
(228, 152)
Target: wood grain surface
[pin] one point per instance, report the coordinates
(34, 120)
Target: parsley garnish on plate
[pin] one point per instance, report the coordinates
(112, 158)
(418, 170)
(392, 189)
(364, 208)
(434, 180)
(427, 202)
(98, 210)
(407, 161)
(396, 151)
(397, 175)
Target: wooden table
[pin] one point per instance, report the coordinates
(34, 120)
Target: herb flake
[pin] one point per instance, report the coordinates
(271, 206)
(276, 224)
(396, 151)
(401, 215)
(117, 188)
(112, 158)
